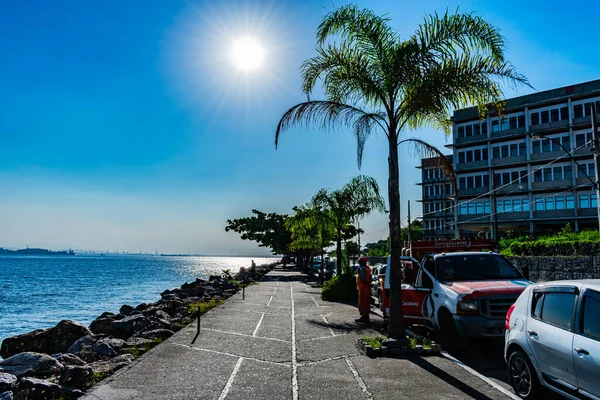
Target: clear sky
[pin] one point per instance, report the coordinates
(124, 124)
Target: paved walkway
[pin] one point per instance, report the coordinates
(283, 342)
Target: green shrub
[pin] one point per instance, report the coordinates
(203, 306)
(340, 287)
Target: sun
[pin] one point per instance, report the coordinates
(247, 54)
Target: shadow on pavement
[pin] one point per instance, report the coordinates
(446, 377)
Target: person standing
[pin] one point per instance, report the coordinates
(363, 284)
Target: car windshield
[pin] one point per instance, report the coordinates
(475, 267)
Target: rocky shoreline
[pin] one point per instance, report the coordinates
(64, 361)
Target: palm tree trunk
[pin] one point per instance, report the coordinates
(338, 252)
(396, 323)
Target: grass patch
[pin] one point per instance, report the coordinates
(340, 287)
(375, 342)
(203, 306)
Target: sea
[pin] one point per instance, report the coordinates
(39, 291)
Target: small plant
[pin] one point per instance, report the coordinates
(134, 351)
(227, 274)
(97, 377)
(375, 342)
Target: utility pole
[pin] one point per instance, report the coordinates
(596, 150)
(408, 233)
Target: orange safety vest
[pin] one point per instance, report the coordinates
(359, 280)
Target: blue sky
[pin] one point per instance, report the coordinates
(124, 125)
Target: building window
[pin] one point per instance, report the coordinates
(564, 113)
(522, 150)
(544, 117)
(478, 181)
(554, 116)
(578, 111)
(521, 120)
(470, 182)
(512, 122)
(461, 157)
(568, 172)
(583, 139)
(496, 152)
(504, 151)
(462, 182)
(539, 204)
(523, 177)
(516, 205)
(593, 201)
(463, 209)
(566, 142)
(537, 175)
(549, 203)
(584, 201)
(471, 208)
(570, 202)
(499, 208)
(546, 145)
(486, 207)
(497, 180)
(486, 181)
(495, 126)
(525, 203)
(479, 207)
(535, 119)
(484, 128)
(508, 206)
(560, 202)
(469, 130)
(513, 150)
(536, 147)
(558, 173)
(469, 156)
(476, 130)
(504, 126)
(547, 174)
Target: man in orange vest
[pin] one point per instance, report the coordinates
(363, 284)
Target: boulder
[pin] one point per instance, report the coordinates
(48, 341)
(40, 389)
(115, 343)
(7, 382)
(22, 395)
(157, 313)
(6, 396)
(76, 376)
(108, 367)
(137, 342)
(126, 309)
(157, 334)
(68, 359)
(83, 347)
(141, 307)
(103, 350)
(128, 326)
(104, 325)
(28, 363)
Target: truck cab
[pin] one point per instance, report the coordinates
(460, 292)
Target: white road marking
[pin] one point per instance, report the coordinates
(324, 337)
(359, 380)
(313, 299)
(294, 358)
(282, 364)
(482, 377)
(260, 305)
(304, 364)
(277, 283)
(258, 325)
(328, 326)
(243, 334)
(230, 380)
(270, 299)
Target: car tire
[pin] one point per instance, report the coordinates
(449, 337)
(522, 376)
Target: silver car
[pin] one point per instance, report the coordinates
(553, 340)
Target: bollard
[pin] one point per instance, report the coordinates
(244, 293)
(197, 328)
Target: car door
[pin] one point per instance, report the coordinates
(550, 334)
(586, 344)
(415, 298)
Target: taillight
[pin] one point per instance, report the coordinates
(507, 320)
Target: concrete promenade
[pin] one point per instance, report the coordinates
(283, 342)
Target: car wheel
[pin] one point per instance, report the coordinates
(522, 376)
(449, 337)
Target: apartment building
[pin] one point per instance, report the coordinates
(528, 170)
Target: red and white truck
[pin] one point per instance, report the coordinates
(461, 287)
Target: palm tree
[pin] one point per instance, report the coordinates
(374, 80)
(357, 198)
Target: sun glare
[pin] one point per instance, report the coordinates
(247, 54)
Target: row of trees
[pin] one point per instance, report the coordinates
(328, 218)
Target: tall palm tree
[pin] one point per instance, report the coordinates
(374, 80)
(357, 198)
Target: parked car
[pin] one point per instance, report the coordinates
(377, 273)
(552, 340)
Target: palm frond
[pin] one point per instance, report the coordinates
(329, 115)
(425, 150)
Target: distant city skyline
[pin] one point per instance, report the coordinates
(125, 125)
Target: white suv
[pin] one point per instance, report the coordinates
(553, 340)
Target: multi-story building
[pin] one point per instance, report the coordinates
(529, 169)
(438, 200)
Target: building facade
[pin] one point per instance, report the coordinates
(529, 170)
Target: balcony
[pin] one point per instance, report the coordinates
(587, 150)
(584, 181)
(510, 132)
(582, 120)
(533, 129)
(587, 212)
(512, 216)
(475, 218)
(509, 160)
(550, 214)
(471, 139)
(473, 191)
(515, 188)
(471, 165)
(551, 155)
(563, 183)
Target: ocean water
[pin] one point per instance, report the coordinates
(39, 291)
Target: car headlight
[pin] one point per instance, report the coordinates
(468, 307)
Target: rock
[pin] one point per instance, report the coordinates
(29, 363)
(104, 325)
(48, 341)
(68, 359)
(125, 309)
(213, 278)
(22, 395)
(7, 382)
(76, 376)
(103, 350)
(83, 347)
(6, 396)
(107, 315)
(436, 348)
(40, 389)
(110, 366)
(141, 307)
(157, 313)
(115, 343)
(128, 326)
(156, 334)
